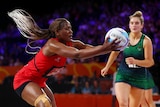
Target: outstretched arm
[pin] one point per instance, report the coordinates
(54, 47)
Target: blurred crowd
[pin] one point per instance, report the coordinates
(90, 21)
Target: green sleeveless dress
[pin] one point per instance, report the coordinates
(134, 75)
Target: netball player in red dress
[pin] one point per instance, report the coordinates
(30, 82)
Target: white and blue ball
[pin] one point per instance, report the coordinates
(119, 33)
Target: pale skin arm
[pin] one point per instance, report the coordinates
(148, 55)
(111, 59)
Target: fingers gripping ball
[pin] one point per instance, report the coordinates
(119, 33)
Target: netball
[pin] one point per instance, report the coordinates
(119, 33)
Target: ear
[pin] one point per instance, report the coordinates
(56, 33)
(142, 25)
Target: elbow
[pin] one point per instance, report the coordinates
(76, 55)
(80, 55)
(150, 64)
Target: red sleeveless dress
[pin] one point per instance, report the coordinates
(37, 69)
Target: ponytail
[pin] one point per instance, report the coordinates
(28, 28)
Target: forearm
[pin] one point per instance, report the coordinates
(74, 53)
(91, 52)
(112, 58)
(144, 63)
(110, 61)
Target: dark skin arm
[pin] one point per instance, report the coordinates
(79, 49)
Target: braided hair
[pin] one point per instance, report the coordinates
(30, 30)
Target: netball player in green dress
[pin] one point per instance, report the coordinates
(133, 77)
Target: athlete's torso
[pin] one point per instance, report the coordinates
(136, 51)
(37, 69)
(134, 75)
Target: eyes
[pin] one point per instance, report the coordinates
(67, 27)
(135, 23)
